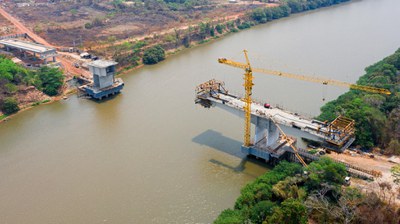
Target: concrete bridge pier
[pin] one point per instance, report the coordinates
(265, 129)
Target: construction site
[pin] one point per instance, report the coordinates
(30, 53)
(270, 142)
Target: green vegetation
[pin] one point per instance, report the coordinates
(219, 28)
(153, 55)
(46, 79)
(377, 116)
(176, 5)
(278, 196)
(49, 80)
(395, 170)
(263, 15)
(3, 116)
(313, 151)
(97, 22)
(292, 194)
(40, 102)
(10, 105)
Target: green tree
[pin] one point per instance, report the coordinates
(229, 216)
(291, 211)
(258, 14)
(10, 105)
(325, 171)
(49, 80)
(153, 55)
(261, 210)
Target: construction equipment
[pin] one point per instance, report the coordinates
(248, 85)
(290, 142)
(304, 77)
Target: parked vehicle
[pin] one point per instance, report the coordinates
(347, 181)
(85, 55)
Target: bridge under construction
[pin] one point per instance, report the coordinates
(43, 51)
(269, 143)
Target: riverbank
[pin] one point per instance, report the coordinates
(190, 37)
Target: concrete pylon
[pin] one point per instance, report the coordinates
(266, 129)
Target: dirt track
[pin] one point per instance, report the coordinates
(67, 64)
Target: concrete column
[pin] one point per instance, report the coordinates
(45, 61)
(273, 133)
(261, 129)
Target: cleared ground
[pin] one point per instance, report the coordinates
(66, 23)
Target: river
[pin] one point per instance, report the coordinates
(150, 155)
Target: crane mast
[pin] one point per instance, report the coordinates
(248, 85)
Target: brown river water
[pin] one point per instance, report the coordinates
(150, 155)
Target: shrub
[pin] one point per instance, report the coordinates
(10, 105)
(153, 55)
(219, 28)
(88, 25)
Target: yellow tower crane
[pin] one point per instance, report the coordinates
(248, 86)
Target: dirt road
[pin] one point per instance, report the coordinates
(69, 69)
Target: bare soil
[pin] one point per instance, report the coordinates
(378, 163)
(27, 95)
(6, 28)
(63, 23)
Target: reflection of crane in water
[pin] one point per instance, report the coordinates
(270, 142)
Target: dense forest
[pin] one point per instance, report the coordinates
(377, 116)
(13, 76)
(292, 194)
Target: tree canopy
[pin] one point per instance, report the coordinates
(287, 195)
(278, 196)
(153, 55)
